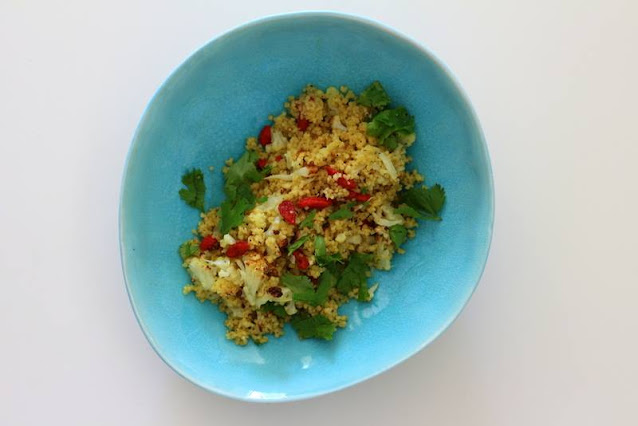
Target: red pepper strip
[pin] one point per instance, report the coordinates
(330, 170)
(261, 163)
(265, 136)
(208, 243)
(314, 202)
(288, 212)
(302, 124)
(362, 198)
(278, 158)
(301, 260)
(346, 183)
(237, 249)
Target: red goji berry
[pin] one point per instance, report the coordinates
(362, 198)
(330, 170)
(301, 260)
(208, 243)
(346, 183)
(261, 163)
(302, 124)
(237, 249)
(265, 136)
(288, 212)
(314, 202)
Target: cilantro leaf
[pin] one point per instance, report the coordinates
(262, 200)
(297, 283)
(428, 201)
(294, 246)
(275, 308)
(303, 290)
(327, 280)
(195, 189)
(391, 127)
(355, 275)
(239, 196)
(308, 221)
(320, 253)
(240, 175)
(374, 96)
(266, 171)
(301, 287)
(188, 249)
(232, 213)
(398, 234)
(317, 326)
(406, 210)
(344, 212)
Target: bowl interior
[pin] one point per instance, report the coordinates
(202, 115)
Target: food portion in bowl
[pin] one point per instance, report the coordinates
(319, 198)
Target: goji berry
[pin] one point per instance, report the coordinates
(330, 170)
(314, 202)
(261, 163)
(265, 136)
(302, 124)
(208, 243)
(237, 249)
(346, 183)
(301, 260)
(362, 198)
(288, 212)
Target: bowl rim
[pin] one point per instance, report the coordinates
(371, 22)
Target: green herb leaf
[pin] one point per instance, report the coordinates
(308, 221)
(239, 196)
(374, 96)
(303, 290)
(398, 234)
(262, 200)
(345, 212)
(391, 127)
(320, 253)
(327, 280)
(195, 189)
(232, 213)
(240, 175)
(317, 326)
(406, 210)
(275, 308)
(427, 201)
(355, 275)
(188, 249)
(266, 171)
(301, 287)
(294, 246)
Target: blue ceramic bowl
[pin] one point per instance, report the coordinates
(202, 115)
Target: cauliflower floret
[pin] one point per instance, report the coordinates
(206, 272)
(227, 240)
(252, 273)
(278, 142)
(388, 217)
(387, 162)
(301, 172)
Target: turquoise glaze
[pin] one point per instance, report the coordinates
(202, 115)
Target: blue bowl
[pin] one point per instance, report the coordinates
(201, 116)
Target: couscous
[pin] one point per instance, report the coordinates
(319, 198)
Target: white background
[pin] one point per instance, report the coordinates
(550, 336)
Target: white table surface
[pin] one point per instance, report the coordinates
(549, 338)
